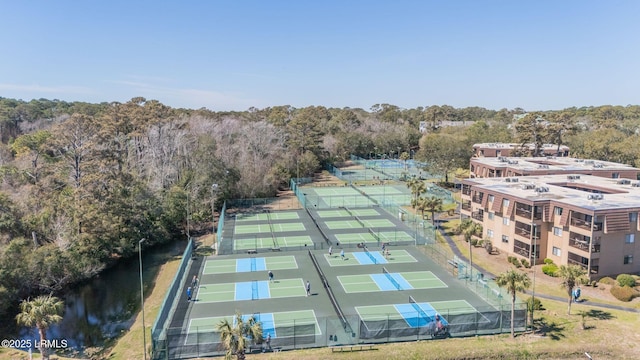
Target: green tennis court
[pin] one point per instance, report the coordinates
(395, 256)
(391, 236)
(265, 228)
(333, 213)
(390, 282)
(366, 238)
(276, 324)
(252, 290)
(347, 213)
(226, 266)
(252, 229)
(377, 223)
(334, 191)
(284, 215)
(284, 227)
(267, 242)
(343, 224)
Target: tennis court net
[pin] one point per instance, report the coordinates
(375, 236)
(391, 279)
(370, 255)
(421, 312)
(273, 235)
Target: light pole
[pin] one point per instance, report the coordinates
(144, 336)
(533, 266)
(188, 215)
(214, 191)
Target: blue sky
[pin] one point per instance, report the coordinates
(231, 55)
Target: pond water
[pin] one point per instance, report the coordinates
(105, 306)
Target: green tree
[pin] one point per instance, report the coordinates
(41, 312)
(571, 275)
(235, 337)
(514, 281)
(532, 129)
(417, 188)
(444, 152)
(470, 229)
(433, 205)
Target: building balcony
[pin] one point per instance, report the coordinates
(523, 212)
(580, 223)
(478, 215)
(583, 245)
(477, 199)
(466, 206)
(577, 262)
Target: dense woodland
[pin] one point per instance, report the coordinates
(81, 184)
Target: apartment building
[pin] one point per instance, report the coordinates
(578, 219)
(510, 149)
(527, 166)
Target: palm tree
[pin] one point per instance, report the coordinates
(234, 337)
(470, 229)
(514, 281)
(417, 187)
(41, 312)
(433, 205)
(571, 275)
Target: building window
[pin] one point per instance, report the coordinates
(505, 203)
(505, 239)
(615, 175)
(505, 221)
(490, 216)
(630, 239)
(491, 198)
(490, 234)
(628, 259)
(556, 251)
(557, 210)
(633, 217)
(557, 231)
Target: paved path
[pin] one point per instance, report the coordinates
(457, 252)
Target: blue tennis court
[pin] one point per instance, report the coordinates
(252, 290)
(391, 281)
(251, 264)
(369, 257)
(418, 314)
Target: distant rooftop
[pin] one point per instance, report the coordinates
(551, 163)
(530, 146)
(584, 191)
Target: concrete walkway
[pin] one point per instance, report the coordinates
(457, 252)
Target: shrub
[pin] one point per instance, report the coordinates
(474, 242)
(488, 246)
(510, 259)
(525, 263)
(550, 269)
(607, 281)
(534, 304)
(548, 261)
(626, 280)
(623, 293)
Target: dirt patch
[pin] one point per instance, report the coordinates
(285, 199)
(326, 179)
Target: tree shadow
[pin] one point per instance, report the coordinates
(599, 314)
(551, 329)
